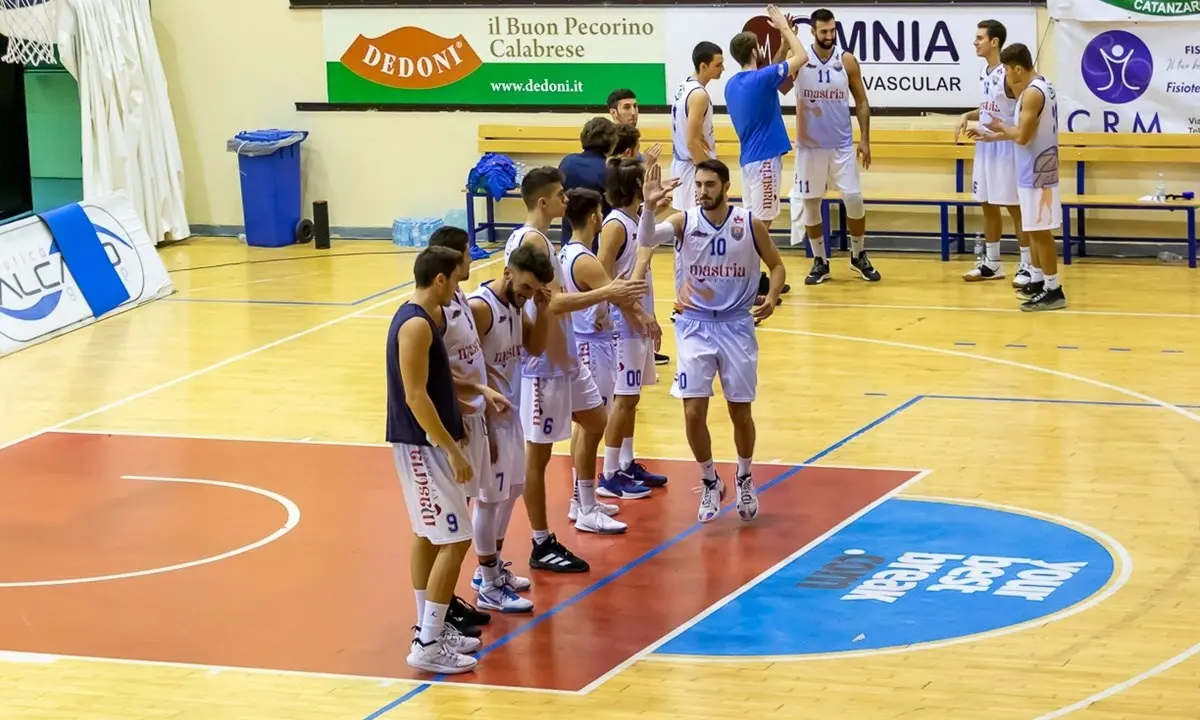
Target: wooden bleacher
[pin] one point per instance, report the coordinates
(921, 145)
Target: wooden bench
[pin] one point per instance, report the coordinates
(916, 145)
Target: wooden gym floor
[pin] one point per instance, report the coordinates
(968, 512)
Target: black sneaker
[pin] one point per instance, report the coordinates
(862, 265)
(551, 555)
(1031, 290)
(819, 272)
(1046, 300)
(466, 617)
(660, 359)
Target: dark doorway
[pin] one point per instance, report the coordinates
(16, 190)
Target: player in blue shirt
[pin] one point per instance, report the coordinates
(752, 99)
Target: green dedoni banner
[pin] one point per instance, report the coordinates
(523, 56)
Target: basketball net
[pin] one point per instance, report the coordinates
(32, 30)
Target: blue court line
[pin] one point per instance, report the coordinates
(633, 564)
(352, 303)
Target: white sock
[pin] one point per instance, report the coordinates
(420, 605)
(612, 460)
(1052, 282)
(626, 453)
(587, 495)
(540, 536)
(993, 252)
(818, 246)
(432, 621)
(574, 485)
(1035, 275)
(744, 466)
(1025, 256)
(708, 471)
(856, 245)
(491, 572)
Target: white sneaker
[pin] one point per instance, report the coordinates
(437, 657)
(984, 270)
(453, 639)
(573, 513)
(747, 500)
(710, 500)
(1023, 276)
(516, 582)
(503, 598)
(597, 521)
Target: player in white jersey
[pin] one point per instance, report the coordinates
(624, 253)
(504, 331)
(692, 137)
(718, 249)
(594, 327)
(1036, 136)
(825, 147)
(484, 408)
(994, 172)
(556, 389)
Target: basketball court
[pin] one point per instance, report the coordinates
(967, 512)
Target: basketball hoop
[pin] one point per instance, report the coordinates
(32, 30)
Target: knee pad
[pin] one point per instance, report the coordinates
(487, 521)
(854, 206)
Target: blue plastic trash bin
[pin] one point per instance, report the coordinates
(269, 166)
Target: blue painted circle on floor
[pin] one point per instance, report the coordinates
(908, 572)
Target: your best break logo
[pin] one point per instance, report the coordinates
(912, 572)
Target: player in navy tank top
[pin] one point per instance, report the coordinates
(425, 428)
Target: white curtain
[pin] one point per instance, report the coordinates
(129, 138)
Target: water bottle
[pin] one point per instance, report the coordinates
(521, 170)
(423, 233)
(1160, 192)
(979, 249)
(398, 233)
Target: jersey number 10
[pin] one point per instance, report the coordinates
(717, 246)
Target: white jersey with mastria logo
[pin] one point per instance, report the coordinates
(462, 345)
(716, 268)
(502, 345)
(1037, 161)
(583, 321)
(679, 122)
(995, 102)
(823, 94)
(541, 366)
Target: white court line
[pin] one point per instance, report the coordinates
(44, 659)
(293, 518)
(1165, 665)
(1123, 686)
(246, 282)
(1122, 555)
(220, 364)
(642, 654)
(344, 443)
(788, 302)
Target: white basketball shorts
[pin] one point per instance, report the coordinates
(685, 194)
(479, 452)
(509, 468)
(547, 404)
(634, 365)
(597, 354)
(819, 168)
(708, 348)
(760, 188)
(994, 174)
(437, 505)
(1041, 208)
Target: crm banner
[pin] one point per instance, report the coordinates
(1124, 10)
(1127, 77)
(920, 56)
(50, 284)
